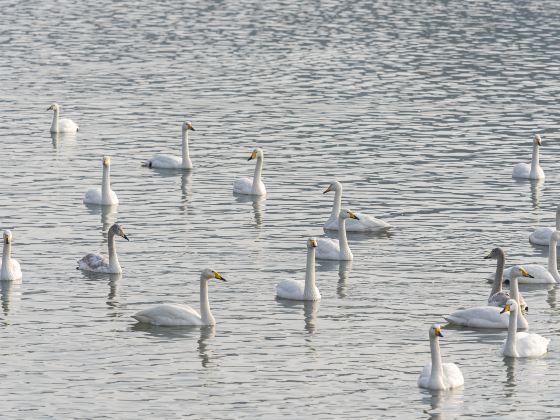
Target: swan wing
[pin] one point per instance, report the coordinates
(540, 274)
(93, 196)
(66, 125)
(328, 249)
(243, 186)
(531, 345)
(424, 378)
(452, 375)
(541, 236)
(164, 162)
(169, 315)
(479, 317)
(290, 289)
(94, 262)
(521, 170)
(365, 224)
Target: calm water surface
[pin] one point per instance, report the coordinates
(421, 109)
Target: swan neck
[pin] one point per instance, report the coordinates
(309, 288)
(510, 349)
(337, 203)
(114, 264)
(6, 262)
(106, 186)
(54, 123)
(436, 376)
(258, 171)
(205, 314)
(342, 239)
(185, 148)
(552, 262)
(535, 159)
(514, 293)
(498, 279)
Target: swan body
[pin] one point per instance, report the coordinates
(170, 315)
(540, 274)
(489, 316)
(534, 170)
(255, 186)
(174, 162)
(99, 263)
(521, 344)
(332, 249)
(499, 297)
(298, 289)
(437, 375)
(10, 269)
(541, 235)
(364, 223)
(61, 125)
(104, 196)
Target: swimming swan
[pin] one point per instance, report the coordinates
(170, 315)
(489, 316)
(173, 162)
(337, 249)
(437, 375)
(541, 235)
(99, 263)
(62, 125)
(498, 297)
(298, 289)
(532, 171)
(10, 268)
(365, 223)
(521, 344)
(104, 196)
(540, 274)
(256, 186)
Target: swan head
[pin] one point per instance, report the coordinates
(518, 271)
(312, 243)
(106, 161)
(510, 306)
(7, 236)
(435, 331)
(347, 214)
(257, 153)
(117, 230)
(538, 140)
(208, 274)
(53, 107)
(556, 235)
(187, 125)
(333, 186)
(495, 254)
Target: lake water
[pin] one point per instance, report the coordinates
(420, 109)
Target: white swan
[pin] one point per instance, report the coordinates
(337, 249)
(61, 125)
(9, 269)
(256, 186)
(298, 289)
(104, 196)
(437, 375)
(170, 315)
(540, 274)
(521, 344)
(532, 171)
(173, 162)
(489, 316)
(498, 297)
(541, 235)
(364, 223)
(101, 264)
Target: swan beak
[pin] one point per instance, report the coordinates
(125, 237)
(327, 190)
(438, 332)
(524, 273)
(218, 276)
(313, 243)
(253, 155)
(7, 239)
(190, 127)
(49, 108)
(106, 161)
(539, 141)
(487, 257)
(353, 216)
(506, 308)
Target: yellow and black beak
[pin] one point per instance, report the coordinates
(353, 215)
(253, 155)
(7, 239)
(506, 308)
(106, 161)
(313, 243)
(438, 332)
(218, 276)
(328, 189)
(190, 127)
(525, 273)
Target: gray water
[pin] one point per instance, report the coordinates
(420, 109)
